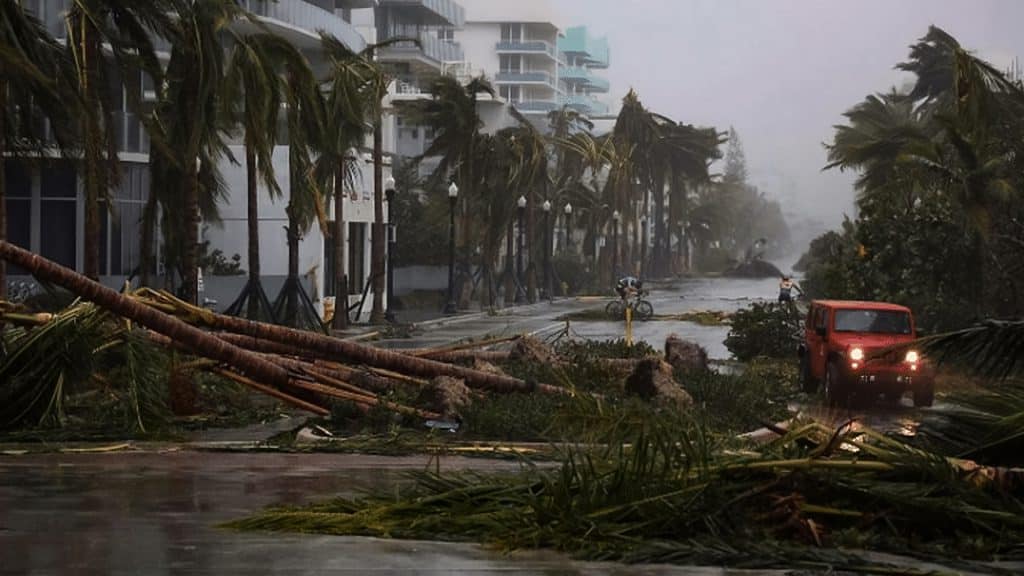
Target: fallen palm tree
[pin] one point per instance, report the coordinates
(337, 349)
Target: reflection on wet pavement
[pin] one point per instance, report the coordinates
(157, 514)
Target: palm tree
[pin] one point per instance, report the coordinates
(192, 123)
(126, 29)
(305, 117)
(35, 84)
(354, 87)
(452, 114)
(254, 93)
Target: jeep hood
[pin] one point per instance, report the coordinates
(867, 340)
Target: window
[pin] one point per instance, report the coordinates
(820, 317)
(121, 228)
(511, 63)
(876, 321)
(356, 256)
(58, 222)
(446, 34)
(18, 201)
(511, 32)
(510, 93)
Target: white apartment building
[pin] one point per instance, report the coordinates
(515, 44)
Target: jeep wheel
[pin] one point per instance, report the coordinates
(836, 394)
(807, 382)
(924, 396)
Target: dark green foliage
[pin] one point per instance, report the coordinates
(514, 417)
(765, 329)
(578, 277)
(82, 351)
(743, 402)
(660, 487)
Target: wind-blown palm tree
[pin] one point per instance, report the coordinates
(254, 92)
(354, 87)
(192, 123)
(452, 115)
(36, 83)
(305, 117)
(123, 29)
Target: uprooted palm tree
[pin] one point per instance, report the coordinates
(36, 84)
(253, 94)
(105, 36)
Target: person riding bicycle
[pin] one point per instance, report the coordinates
(628, 287)
(786, 287)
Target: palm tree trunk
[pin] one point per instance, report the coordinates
(148, 233)
(291, 309)
(377, 247)
(200, 342)
(510, 283)
(347, 351)
(340, 320)
(659, 264)
(254, 232)
(3, 185)
(94, 145)
(190, 253)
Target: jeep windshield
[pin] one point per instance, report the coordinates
(874, 321)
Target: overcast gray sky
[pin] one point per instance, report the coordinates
(781, 71)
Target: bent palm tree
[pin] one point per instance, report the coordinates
(254, 94)
(126, 29)
(35, 84)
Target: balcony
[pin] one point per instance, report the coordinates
(305, 18)
(541, 47)
(428, 12)
(593, 51)
(432, 51)
(585, 104)
(536, 106)
(511, 77)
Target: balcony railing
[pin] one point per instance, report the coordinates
(541, 106)
(512, 77)
(527, 47)
(437, 12)
(431, 46)
(308, 17)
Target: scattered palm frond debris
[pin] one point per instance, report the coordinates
(665, 490)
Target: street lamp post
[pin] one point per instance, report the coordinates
(389, 195)
(520, 211)
(568, 227)
(615, 244)
(453, 194)
(643, 244)
(548, 288)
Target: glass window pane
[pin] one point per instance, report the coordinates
(19, 215)
(58, 181)
(59, 232)
(17, 179)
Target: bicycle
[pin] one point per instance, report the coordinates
(642, 309)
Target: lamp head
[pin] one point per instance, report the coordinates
(546, 206)
(389, 184)
(521, 202)
(568, 209)
(453, 190)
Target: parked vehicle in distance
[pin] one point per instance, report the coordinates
(846, 349)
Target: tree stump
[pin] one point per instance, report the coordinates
(652, 380)
(446, 396)
(684, 355)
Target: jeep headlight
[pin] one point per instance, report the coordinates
(856, 354)
(912, 357)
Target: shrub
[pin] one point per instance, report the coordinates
(765, 329)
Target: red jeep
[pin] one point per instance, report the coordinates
(845, 348)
